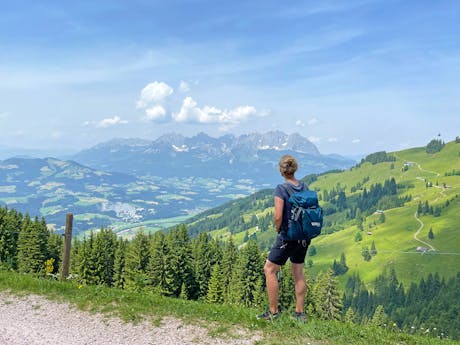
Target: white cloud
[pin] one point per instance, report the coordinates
(108, 122)
(153, 98)
(153, 93)
(299, 123)
(190, 112)
(332, 140)
(155, 113)
(184, 86)
(313, 121)
(315, 139)
(356, 141)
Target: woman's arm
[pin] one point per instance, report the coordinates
(278, 216)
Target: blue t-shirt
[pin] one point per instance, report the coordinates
(281, 192)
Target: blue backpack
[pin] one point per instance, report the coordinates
(306, 218)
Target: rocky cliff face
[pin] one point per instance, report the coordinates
(205, 156)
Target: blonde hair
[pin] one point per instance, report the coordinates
(288, 165)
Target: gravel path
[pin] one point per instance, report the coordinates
(34, 320)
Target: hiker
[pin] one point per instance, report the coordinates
(282, 249)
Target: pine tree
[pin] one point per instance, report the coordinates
(373, 251)
(229, 259)
(136, 261)
(380, 318)
(55, 247)
(32, 246)
(103, 251)
(215, 288)
(328, 303)
(339, 268)
(204, 257)
(366, 254)
(286, 288)
(86, 261)
(120, 264)
(178, 265)
(157, 263)
(75, 256)
(10, 226)
(431, 234)
(247, 275)
(349, 316)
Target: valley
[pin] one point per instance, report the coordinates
(133, 184)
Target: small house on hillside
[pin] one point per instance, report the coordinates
(422, 249)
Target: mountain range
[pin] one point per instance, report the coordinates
(132, 183)
(251, 156)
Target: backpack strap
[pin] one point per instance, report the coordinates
(290, 190)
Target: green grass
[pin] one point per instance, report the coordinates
(394, 239)
(219, 320)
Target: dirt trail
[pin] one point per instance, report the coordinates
(418, 232)
(34, 320)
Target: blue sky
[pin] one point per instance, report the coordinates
(353, 76)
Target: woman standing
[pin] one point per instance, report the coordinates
(282, 249)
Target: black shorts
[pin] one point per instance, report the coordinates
(282, 250)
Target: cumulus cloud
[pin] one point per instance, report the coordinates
(184, 86)
(313, 121)
(108, 122)
(190, 112)
(356, 141)
(154, 101)
(299, 123)
(332, 140)
(153, 93)
(155, 113)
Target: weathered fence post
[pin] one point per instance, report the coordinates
(67, 244)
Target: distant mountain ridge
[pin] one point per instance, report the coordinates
(253, 156)
(129, 183)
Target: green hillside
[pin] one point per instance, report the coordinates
(430, 180)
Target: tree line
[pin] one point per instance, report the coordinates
(201, 268)
(168, 263)
(429, 307)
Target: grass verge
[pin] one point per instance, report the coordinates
(220, 320)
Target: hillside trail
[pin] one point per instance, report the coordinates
(35, 320)
(432, 248)
(422, 225)
(418, 232)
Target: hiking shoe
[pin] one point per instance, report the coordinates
(268, 315)
(301, 317)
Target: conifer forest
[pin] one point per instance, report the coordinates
(201, 268)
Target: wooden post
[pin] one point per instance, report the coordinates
(67, 245)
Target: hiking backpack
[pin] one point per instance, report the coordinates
(306, 218)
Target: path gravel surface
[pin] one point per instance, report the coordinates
(35, 320)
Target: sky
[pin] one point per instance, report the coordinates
(354, 77)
